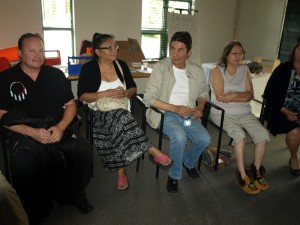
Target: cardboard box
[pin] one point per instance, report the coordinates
(130, 51)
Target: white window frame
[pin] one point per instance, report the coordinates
(45, 29)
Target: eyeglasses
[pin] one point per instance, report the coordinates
(240, 54)
(111, 48)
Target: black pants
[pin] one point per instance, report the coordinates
(42, 172)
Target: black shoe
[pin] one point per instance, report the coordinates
(191, 172)
(83, 206)
(295, 172)
(172, 185)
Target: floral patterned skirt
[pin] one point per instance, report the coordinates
(118, 138)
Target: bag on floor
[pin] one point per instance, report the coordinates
(209, 156)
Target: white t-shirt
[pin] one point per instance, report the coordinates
(180, 92)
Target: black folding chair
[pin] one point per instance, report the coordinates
(265, 112)
(139, 100)
(5, 141)
(89, 113)
(205, 118)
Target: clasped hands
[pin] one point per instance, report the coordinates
(118, 92)
(48, 136)
(186, 111)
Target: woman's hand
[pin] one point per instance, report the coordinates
(290, 115)
(227, 97)
(118, 92)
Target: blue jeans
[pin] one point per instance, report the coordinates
(179, 135)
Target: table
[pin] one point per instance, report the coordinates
(140, 77)
(207, 67)
(136, 73)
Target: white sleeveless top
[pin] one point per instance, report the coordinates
(235, 83)
(105, 85)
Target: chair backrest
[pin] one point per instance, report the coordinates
(266, 111)
(4, 63)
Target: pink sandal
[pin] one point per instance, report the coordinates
(158, 161)
(123, 183)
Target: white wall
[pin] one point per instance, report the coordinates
(121, 18)
(259, 24)
(18, 17)
(216, 18)
(258, 27)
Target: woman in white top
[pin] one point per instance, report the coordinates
(117, 136)
(232, 90)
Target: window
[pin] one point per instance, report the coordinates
(58, 27)
(154, 25)
(291, 29)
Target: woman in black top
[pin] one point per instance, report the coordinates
(283, 96)
(117, 136)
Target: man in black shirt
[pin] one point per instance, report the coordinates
(48, 160)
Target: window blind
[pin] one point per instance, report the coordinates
(291, 29)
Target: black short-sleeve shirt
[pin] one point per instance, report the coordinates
(44, 97)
